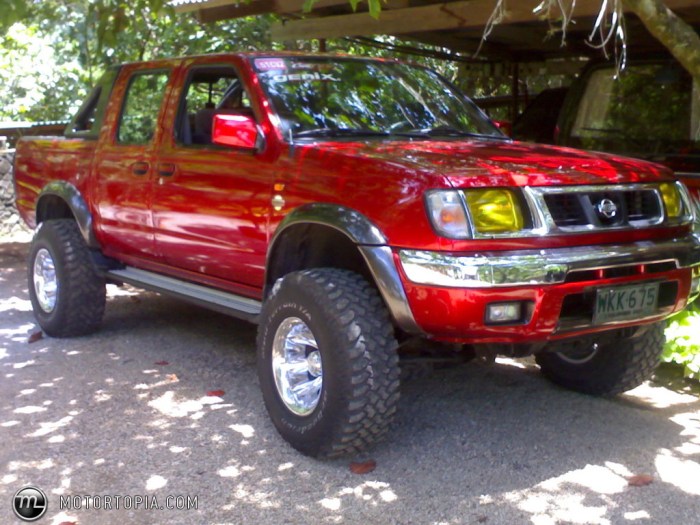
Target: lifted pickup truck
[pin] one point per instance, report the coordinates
(350, 206)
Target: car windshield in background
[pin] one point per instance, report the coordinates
(650, 108)
(339, 97)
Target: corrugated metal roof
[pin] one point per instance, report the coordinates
(21, 124)
(176, 3)
(192, 5)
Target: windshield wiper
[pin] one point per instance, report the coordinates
(339, 132)
(446, 131)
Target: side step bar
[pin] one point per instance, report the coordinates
(225, 302)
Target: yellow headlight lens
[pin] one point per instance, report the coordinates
(672, 199)
(494, 210)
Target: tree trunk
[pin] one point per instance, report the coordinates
(675, 34)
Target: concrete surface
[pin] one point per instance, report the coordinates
(106, 416)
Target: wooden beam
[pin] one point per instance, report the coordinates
(215, 10)
(435, 17)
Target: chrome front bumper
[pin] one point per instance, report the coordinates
(542, 267)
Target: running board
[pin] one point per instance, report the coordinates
(225, 302)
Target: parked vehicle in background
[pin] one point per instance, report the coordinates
(651, 110)
(351, 207)
(538, 121)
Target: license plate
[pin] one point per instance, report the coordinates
(623, 303)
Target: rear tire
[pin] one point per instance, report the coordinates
(66, 291)
(606, 365)
(327, 362)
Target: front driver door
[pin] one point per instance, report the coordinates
(211, 203)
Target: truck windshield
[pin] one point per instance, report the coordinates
(650, 109)
(336, 97)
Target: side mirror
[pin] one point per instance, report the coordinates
(238, 131)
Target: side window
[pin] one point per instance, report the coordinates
(210, 91)
(88, 120)
(139, 117)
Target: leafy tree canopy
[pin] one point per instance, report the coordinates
(55, 54)
(57, 50)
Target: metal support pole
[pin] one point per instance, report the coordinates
(515, 91)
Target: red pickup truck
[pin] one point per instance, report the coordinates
(349, 207)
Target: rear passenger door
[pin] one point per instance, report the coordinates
(124, 165)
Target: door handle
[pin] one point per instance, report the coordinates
(140, 168)
(166, 169)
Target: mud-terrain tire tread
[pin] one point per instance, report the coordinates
(621, 365)
(81, 297)
(356, 315)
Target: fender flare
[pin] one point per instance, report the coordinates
(372, 245)
(352, 223)
(69, 194)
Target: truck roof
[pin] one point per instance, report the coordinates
(271, 53)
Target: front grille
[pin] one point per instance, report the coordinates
(566, 210)
(642, 205)
(604, 209)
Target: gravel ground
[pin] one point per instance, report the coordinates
(126, 412)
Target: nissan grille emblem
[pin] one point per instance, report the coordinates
(606, 208)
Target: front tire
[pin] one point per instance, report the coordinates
(327, 362)
(65, 289)
(604, 365)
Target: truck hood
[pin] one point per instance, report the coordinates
(473, 163)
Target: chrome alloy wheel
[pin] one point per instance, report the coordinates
(297, 366)
(45, 281)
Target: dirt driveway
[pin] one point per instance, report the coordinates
(163, 405)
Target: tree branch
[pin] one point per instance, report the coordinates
(675, 34)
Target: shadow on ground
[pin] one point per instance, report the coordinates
(164, 401)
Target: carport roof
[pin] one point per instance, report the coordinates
(456, 24)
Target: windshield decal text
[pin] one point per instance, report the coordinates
(305, 77)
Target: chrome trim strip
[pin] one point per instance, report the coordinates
(380, 260)
(596, 188)
(242, 307)
(687, 199)
(543, 267)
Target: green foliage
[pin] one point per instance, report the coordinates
(38, 81)
(50, 61)
(11, 12)
(683, 341)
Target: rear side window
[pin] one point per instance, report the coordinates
(88, 120)
(144, 97)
